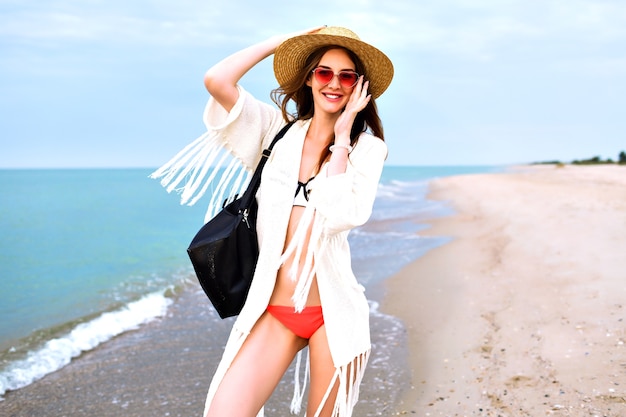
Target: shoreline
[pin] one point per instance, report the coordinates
(523, 313)
(165, 367)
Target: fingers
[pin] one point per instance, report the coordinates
(314, 29)
(359, 97)
(305, 31)
(358, 101)
(277, 40)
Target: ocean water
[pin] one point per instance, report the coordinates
(88, 254)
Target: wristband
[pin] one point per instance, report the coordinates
(347, 147)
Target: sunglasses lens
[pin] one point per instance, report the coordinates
(347, 78)
(324, 76)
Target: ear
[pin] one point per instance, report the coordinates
(309, 82)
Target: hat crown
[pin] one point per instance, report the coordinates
(338, 31)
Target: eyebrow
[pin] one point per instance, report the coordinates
(327, 67)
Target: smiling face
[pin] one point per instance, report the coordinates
(331, 97)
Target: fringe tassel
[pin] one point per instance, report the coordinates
(197, 167)
(190, 194)
(350, 377)
(296, 248)
(298, 393)
(227, 186)
(169, 169)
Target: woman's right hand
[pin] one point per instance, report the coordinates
(278, 39)
(222, 78)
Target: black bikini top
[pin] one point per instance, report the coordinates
(302, 193)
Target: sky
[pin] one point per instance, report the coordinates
(118, 83)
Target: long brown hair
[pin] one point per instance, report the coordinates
(297, 91)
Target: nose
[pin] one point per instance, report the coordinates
(334, 82)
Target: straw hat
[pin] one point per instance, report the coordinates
(291, 55)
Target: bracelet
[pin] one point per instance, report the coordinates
(347, 147)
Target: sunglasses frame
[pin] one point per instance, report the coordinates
(335, 74)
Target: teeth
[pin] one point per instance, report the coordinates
(332, 96)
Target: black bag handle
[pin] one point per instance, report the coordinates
(255, 182)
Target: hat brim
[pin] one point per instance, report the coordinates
(291, 55)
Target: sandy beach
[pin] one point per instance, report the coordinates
(523, 312)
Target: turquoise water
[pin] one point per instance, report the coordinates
(89, 254)
(79, 242)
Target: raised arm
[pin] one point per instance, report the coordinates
(222, 78)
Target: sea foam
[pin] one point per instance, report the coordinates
(57, 353)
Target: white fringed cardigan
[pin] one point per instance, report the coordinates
(337, 204)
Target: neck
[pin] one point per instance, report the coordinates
(322, 131)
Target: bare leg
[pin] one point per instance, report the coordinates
(256, 370)
(322, 372)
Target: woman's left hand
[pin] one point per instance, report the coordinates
(358, 101)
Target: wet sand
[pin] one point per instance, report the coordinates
(523, 313)
(165, 367)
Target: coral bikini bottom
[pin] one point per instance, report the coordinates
(303, 324)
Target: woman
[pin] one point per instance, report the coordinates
(303, 292)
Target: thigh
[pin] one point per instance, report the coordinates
(257, 369)
(322, 374)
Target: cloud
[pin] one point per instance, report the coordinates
(482, 30)
(74, 23)
(460, 65)
(459, 27)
